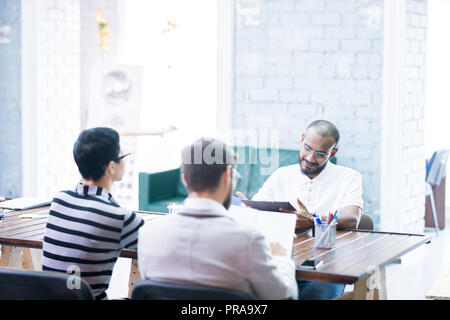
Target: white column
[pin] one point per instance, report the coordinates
(392, 115)
(225, 55)
(30, 39)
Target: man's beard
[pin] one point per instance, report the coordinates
(227, 202)
(312, 172)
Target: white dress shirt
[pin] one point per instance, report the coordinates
(200, 244)
(332, 189)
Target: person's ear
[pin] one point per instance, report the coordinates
(183, 179)
(333, 152)
(111, 167)
(227, 175)
(303, 138)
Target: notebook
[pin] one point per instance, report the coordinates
(24, 203)
(273, 206)
(275, 226)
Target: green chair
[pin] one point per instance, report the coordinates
(160, 189)
(255, 165)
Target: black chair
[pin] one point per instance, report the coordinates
(33, 285)
(365, 222)
(152, 290)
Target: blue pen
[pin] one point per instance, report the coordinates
(318, 220)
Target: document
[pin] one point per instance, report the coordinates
(25, 203)
(276, 226)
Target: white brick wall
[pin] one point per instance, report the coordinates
(413, 130)
(58, 103)
(315, 59)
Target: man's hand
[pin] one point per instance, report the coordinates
(277, 249)
(304, 218)
(241, 195)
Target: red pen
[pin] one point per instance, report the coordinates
(334, 216)
(330, 216)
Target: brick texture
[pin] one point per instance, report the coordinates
(413, 150)
(298, 61)
(58, 103)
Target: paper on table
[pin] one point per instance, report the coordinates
(40, 214)
(24, 203)
(276, 226)
(33, 216)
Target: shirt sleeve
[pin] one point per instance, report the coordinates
(129, 235)
(266, 192)
(271, 277)
(353, 192)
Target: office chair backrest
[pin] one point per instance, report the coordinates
(437, 167)
(366, 222)
(31, 285)
(152, 290)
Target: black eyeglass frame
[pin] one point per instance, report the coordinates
(121, 157)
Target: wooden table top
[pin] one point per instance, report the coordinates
(354, 253)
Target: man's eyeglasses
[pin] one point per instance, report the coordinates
(121, 157)
(236, 178)
(319, 155)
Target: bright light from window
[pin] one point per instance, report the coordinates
(437, 110)
(176, 43)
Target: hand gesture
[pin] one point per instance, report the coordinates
(304, 218)
(241, 195)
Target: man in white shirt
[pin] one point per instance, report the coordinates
(317, 186)
(201, 244)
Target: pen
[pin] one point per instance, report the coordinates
(318, 220)
(334, 217)
(330, 217)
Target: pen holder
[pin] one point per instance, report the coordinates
(324, 235)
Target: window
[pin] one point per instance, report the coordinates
(176, 43)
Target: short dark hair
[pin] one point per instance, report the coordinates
(325, 129)
(94, 149)
(204, 162)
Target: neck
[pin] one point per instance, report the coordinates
(207, 195)
(104, 183)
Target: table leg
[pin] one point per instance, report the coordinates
(373, 287)
(134, 276)
(381, 292)
(32, 259)
(11, 257)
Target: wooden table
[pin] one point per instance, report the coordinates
(359, 257)
(21, 241)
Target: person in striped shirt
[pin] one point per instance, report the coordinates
(86, 228)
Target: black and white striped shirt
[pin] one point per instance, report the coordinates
(86, 230)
